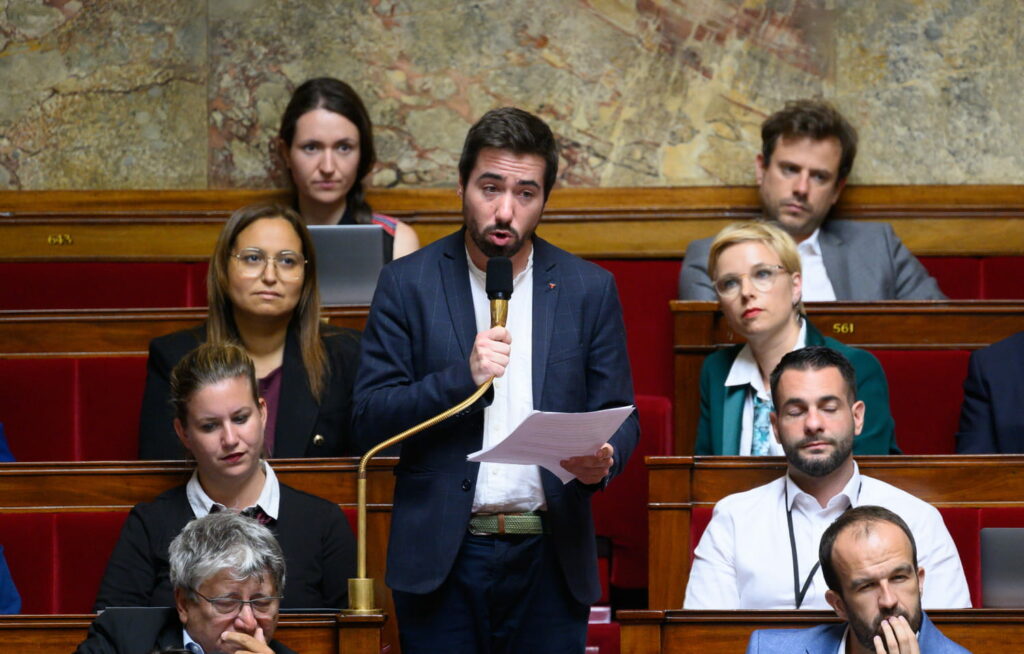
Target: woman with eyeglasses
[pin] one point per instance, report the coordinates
(220, 418)
(262, 294)
(755, 270)
(326, 141)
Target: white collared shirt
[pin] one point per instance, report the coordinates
(744, 371)
(501, 487)
(817, 287)
(269, 499)
(744, 559)
(189, 644)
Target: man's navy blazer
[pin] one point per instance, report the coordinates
(825, 639)
(415, 364)
(992, 417)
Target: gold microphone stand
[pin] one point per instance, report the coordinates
(360, 589)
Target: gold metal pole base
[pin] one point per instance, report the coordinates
(360, 597)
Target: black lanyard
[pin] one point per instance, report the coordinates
(800, 592)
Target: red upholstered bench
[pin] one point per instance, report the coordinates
(925, 393)
(620, 512)
(978, 278)
(57, 559)
(72, 409)
(101, 285)
(645, 288)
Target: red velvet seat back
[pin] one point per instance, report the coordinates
(700, 516)
(84, 544)
(109, 397)
(95, 285)
(1001, 278)
(69, 409)
(963, 524)
(620, 512)
(958, 277)
(38, 406)
(29, 541)
(57, 559)
(925, 393)
(645, 288)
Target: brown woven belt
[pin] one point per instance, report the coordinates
(483, 524)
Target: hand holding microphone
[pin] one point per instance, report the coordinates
(491, 349)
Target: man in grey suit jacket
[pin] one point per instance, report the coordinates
(869, 559)
(807, 152)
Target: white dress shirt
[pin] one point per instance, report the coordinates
(504, 487)
(744, 559)
(817, 286)
(269, 499)
(190, 644)
(744, 371)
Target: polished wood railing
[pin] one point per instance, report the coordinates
(313, 633)
(592, 222)
(117, 332)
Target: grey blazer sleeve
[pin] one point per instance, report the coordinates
(912, 280)
(694, 280)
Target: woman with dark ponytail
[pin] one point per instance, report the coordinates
(326, 141)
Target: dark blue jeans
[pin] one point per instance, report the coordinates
(504, 594)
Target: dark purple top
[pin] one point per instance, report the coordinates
(270, 391)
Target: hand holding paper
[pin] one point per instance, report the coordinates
(591, 469)
(547, 439)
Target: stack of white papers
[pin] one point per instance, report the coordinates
(546, 438)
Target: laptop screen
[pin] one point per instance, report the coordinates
(348, 262)
(1002, 567)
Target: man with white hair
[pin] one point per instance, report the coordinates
(227, 571)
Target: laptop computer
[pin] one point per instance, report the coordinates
(348, 262)
(1002, 567)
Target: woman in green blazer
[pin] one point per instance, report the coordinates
(756, 273)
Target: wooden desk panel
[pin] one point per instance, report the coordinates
(120, 485)
(120, 332)
(679, 484)
(698, 632)
(313, 633)
(127, 225)
(700, 329)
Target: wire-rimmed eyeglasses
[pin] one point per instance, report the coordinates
(253, 261)
(762, 277)
(233, 605)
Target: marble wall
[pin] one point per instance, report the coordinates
(187, 93)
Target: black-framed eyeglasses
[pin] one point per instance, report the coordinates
(762, 277)
(233, 605)
(253, 261)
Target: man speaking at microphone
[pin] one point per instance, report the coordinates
(493, 557)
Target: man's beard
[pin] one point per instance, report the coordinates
(866, 633)
(489, 249)
(817, 467)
